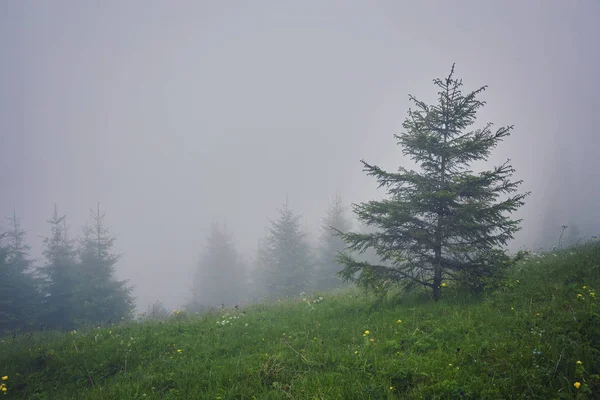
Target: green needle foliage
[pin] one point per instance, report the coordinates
(101, 297)
(20, 298)
(61, 276)
(443, 222)
(289, 263)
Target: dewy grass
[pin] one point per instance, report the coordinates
(537, 337)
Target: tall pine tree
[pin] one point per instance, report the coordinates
(60, 307)
(331, 245)
(102, 298)
(20, 298)
(221, 275)
(443, 222)
(290, 265)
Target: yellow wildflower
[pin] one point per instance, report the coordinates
(399, 321)
(577, 385)
(179, 351)
(391, 388)
(366, 333)
(371, 340)
(5, 378)
(579, 363)
(444, 284)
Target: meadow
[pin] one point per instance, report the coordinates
(537, 337)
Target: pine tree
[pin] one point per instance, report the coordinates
(444, 222)
(101, 297)
(9, 317)
(61, 276)
(20, 298)
(331, 245)
(221, 277)
(290, 265)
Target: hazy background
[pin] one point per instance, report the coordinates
(173, 114)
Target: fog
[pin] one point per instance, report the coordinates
(173, 115)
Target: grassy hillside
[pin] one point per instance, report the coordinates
(539, 338)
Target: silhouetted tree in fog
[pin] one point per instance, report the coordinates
(443, 222)
(20, 299)
(61, 276)
(221, 276)
(290, 265)
(331, 244)
(102, 298)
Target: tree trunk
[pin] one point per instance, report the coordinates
(437, 247)
(436, 293)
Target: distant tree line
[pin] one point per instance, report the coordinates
(284, 264)
(74, 287)
(75, 284)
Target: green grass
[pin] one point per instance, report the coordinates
(522, 341)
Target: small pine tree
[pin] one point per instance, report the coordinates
(331, 245)
(443, 222)
(61, 277)
(20, 298)
(102, 298)
(290, 265)
(221, 276)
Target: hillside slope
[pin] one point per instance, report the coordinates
(537, 338)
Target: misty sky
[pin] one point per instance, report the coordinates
(173, 114)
